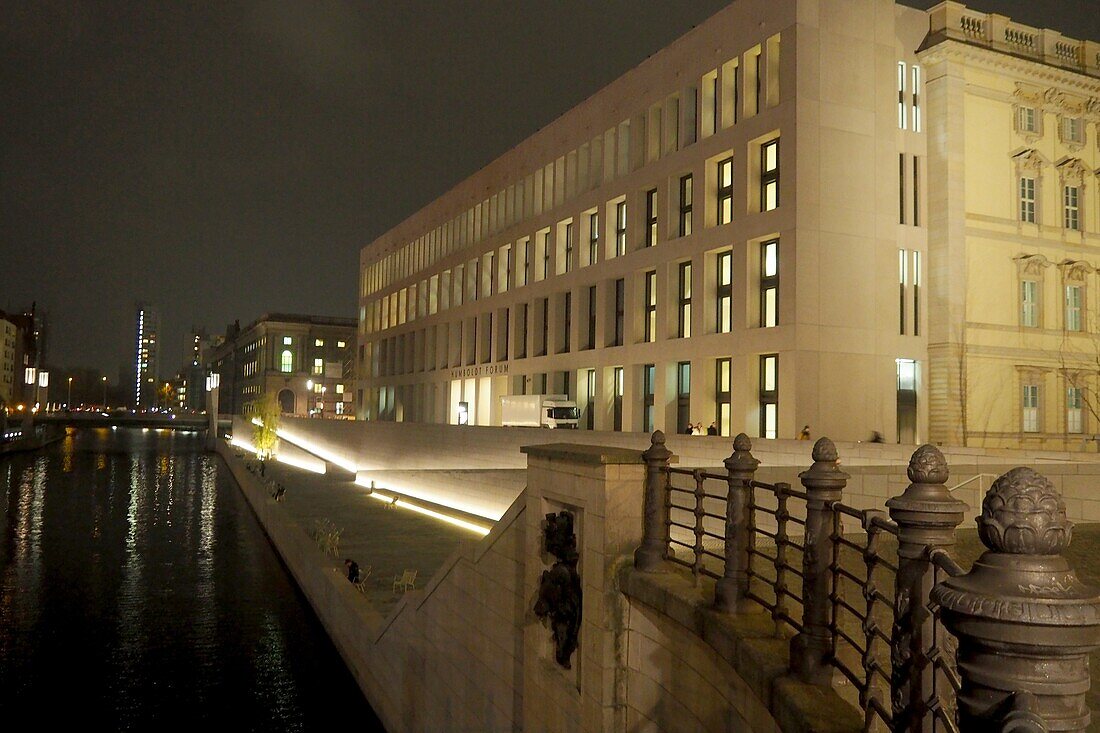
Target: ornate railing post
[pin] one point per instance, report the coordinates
(927, 515)
(734, 583)
(1024, 622)
(811, 647)
(651, 552)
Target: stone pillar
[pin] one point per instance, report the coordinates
(730, 590)
(927, 515)
(601, 489)
(1024, 622)
(651, 553)
(824, 483)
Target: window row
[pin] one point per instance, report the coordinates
(740, 88)
(1034, 416)
(1070, 203)
(555, 250)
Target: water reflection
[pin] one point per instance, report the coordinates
(137, 589)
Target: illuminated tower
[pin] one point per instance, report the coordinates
(145, 357)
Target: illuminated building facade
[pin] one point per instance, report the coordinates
(306, 362)
(737, 231)
(146, 354)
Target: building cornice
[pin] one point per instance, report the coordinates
(1025, 69)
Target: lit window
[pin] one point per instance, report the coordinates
(286, 363)
(1073, 307)
(685, 205)
(769, 283)
(725, 191)
(1029, 302)
(286, 340)
(318, 366)
(684, 305)
(1074, 414)
(650, 325)
(318, 342)
(1031, 408)
(1071, 212)
(339, 389)
(901, 96)
(651, 217)
(1027, 200)
(916, 99)
(724, 316)
(620, 229)
(769, 396)
(723, 379)
(340, 344)
(769, 175)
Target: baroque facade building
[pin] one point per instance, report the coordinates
(306, 362)
(768, 224)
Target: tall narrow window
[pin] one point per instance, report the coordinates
(769, 283)
(1073, 307)
(1030, 417)
(593, 236)
(318, 366)
(651, 217)
(685, 205)
(1071, 213)
(725, 191)
(683, 396)
(902, 124)
(769, 175)
(568, 247)
(649, 374)
(590, 411)
(286, 361)
(1027, 120)
(591, 317)
(684, 305)
(502, 352)
(1027, 200)
(769, 396)
(544, 332)
(724, 301)
(916, 99)
(650, 326)
(509, 265)
(545, 254)
(620, 229)
(901, 188)
(916, 293)
(916, 191)
(903, 271)
(528, 260)
(521, 344)
(722, 391)
(620, 307)
(1029, 303)
(567, 319)
(1074, 414)
(617, 405)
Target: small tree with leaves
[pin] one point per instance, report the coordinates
(265, 417)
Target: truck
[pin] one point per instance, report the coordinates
(538, 410)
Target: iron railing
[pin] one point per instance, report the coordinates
(856, 604)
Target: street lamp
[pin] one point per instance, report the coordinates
(69, 398)
(104, 379)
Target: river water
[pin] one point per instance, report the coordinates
(138, 593)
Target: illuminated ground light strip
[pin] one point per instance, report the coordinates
(304, 465)
(405, 504)
(312, 448)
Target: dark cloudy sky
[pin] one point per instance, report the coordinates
(223, 159)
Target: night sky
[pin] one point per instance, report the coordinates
(230, 158)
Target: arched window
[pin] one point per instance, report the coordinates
(287, 364)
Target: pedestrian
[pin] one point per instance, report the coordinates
(689, 430)
(353, 570)
(876, 437)
(713, 429)
(805, 434)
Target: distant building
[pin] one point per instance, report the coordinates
(305, 361)
(861, 217)
(9, 335)
(146, 356)
(23, 336)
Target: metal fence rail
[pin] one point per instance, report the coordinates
(860, 604)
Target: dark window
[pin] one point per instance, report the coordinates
(545, 326)
(567, 319)
(685, 205)
(521, 347)
(528, 260)
(617, 405)
(502, 353)
(590, 410)
(568, 247)
(545, 254)
(620, 307)
(593, 237)
(683, 396)
(591, 317)
(649, 373)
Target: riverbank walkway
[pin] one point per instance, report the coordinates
(389, 539)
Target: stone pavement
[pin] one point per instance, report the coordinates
(388, 539)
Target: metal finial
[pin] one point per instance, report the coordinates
(742, 443)
(928, 466)
(1023, 514)
(824, 450)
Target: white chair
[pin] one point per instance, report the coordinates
(405, 581)
(364, 574)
